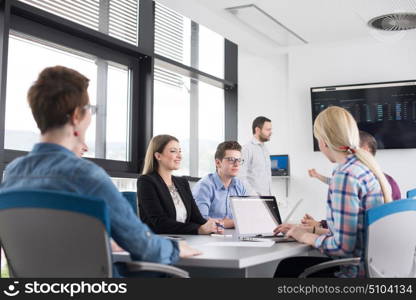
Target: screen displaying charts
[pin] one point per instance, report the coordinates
(385, 110)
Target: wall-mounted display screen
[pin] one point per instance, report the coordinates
(385, 110)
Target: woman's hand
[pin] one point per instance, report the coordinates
(302, 234)
(298, 233)
(212, 226)
(312, 173)
(186, 251)
(307, 220)
(228, 223)
(283, 228)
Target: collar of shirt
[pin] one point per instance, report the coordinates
(256, 141)
(50, 147)
(219, 184)
(350, 159)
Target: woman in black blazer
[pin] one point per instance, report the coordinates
(165, 201)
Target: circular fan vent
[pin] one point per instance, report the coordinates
(394, 22)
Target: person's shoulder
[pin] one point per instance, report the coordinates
(146, 178)
(180, 180)
(238, 181)
(88, 167)
(207, 181)
(354, 168)
(239, 185)
(86, 170)
(152, 179)
(16, 163)
(209, 178)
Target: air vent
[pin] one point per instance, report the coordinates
(394, 22)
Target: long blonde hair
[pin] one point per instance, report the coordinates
(337, 128)
(157, 144)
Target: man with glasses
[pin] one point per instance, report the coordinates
(256, 174)
(212, 192)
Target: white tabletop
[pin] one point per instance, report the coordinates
(236, 257)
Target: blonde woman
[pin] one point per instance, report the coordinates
(165, 201)
(357, 184)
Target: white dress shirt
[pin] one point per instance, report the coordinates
(256, 172)
(181, 213)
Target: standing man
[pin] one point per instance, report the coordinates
(212, 192)
(256, 172)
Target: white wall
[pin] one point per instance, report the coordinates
(277, 85)
(335, 64)
(262, 91)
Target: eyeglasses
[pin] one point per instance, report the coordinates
(233, 160)
(92, 108)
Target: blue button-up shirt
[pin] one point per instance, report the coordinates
(53, 167)
(211, 196)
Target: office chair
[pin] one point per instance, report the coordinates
(58, 234)
(390, 243)
(411, 194)
(132, 199)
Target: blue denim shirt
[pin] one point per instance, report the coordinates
(53, 167)
(211, 196)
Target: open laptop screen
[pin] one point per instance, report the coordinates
(255, 215)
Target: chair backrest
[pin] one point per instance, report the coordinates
(132, 198)
(391, 239)
(54, 234)
(411, 194)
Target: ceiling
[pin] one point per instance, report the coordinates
(323, 20)
(316, 21)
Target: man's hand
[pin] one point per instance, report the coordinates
(186, 251)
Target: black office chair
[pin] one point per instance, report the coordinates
(58, 234)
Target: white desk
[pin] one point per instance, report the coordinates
(234, 261)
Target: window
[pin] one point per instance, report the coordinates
(118, 112)
(172, 35)
(211, 119)
(125, 184)
(117, 18)
(187, 107)
(211, 52)
(178, 111)
(21, 131)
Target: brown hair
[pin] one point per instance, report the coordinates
(157, 144)
(368, 140)
(224, 146)
(55, 95)
(259, 122)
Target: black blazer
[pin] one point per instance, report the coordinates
(157, 209)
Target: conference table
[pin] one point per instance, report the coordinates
(237, 260)
(219, 260)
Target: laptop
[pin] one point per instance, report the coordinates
(256, 217)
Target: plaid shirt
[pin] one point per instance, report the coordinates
(353, 189)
